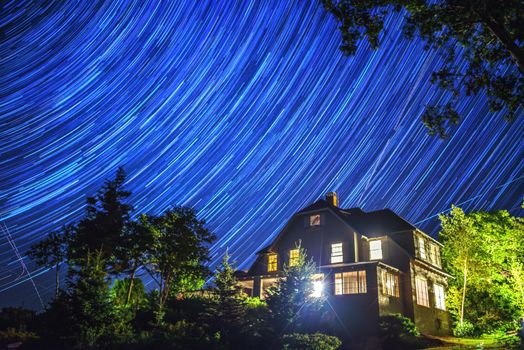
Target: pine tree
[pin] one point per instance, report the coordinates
(229, 307)
(292, 298)
(90, 302)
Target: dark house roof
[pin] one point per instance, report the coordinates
(371, 224)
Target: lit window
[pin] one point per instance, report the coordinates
(314, 220)
(375, 250)
(422, 248)
(439, 297)
(337, 256)
(422, 291)
(350, 282)
(271, 262)
(293, 257)
(436, 254)
(390, 284)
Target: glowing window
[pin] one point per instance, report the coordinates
(422, 248)
(293, 257)
(439, 297)
(271, 262)
(314, 220)
(422, 291)
(375, 250)
(353, 282)
(337, 255)
(390, 284)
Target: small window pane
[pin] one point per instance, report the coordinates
(338, 283)
(337, 255)
(293, 257)
(439, 297)
(271, 262)
(375, 250)
(422, 291)
(422, 248)
(314, 220)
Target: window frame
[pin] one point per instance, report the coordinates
(272, 266)
(346, 285)
(440, 298)
(337, 256)
(371, 251)
(293, 257)
(422, 294)
(390, 284)
(422, 247)
(313, 222)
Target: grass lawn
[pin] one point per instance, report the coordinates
(470, 343)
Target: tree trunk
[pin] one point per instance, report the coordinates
(465, 272)
(517, 54)
(57, 280)
(130, 287)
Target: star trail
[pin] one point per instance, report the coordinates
(246, 111)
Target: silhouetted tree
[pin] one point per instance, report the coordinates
(179, 249)
(487, 34)
(107, 215)
(51, 252)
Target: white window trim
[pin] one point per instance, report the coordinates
(422, 292)
(440, 297)
(375, 254)
(337, 256)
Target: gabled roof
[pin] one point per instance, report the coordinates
(371, 224)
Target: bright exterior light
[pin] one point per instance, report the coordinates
(318, 287)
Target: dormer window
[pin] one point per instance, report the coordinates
(314, 220)
(422, 247)
(272, 261)
(293, 257)
(375, 249)
(337, 255)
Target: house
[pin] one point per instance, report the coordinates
(369, 264)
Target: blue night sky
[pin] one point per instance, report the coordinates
(247, 112)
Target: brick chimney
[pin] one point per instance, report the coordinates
(331, 198)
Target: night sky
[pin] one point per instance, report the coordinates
(247, 112)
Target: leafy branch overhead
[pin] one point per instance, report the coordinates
(488, 35)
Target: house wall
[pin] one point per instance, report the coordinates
(429, 320)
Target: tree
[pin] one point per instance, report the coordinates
(292, 298)
(51, 252)
(179, 249)
(107, 215)
(229, 309)
(90, 302)
(131, 252)
(462, 250)
(484, 252)
(487, 34)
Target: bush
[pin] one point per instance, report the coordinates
(396, 326)
(314, 341)
(466, 329)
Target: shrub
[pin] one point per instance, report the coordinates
(466, 329)
(396, 326)
(314, 341)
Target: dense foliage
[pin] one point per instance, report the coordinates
(105, 304)
(487, 35)
(485, 254)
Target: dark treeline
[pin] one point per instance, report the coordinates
(104, 304)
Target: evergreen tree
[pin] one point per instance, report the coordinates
(51, 252)
(229, 308)
(291, 300)
(90, 302)
(107, 215)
